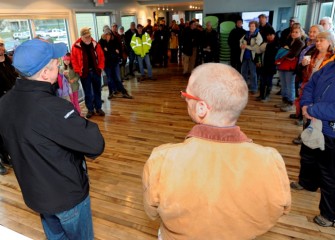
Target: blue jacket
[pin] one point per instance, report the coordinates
(319, 95)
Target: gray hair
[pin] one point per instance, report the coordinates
(319, 27)
(328, 19)
(329, 37)
(222, 88)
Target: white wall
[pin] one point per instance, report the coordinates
(219, 6)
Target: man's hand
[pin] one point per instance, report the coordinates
(305, 113)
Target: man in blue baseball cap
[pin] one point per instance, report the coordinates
(48, 141)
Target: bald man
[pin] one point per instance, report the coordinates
(217, 184)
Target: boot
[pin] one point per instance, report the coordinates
(3, 170)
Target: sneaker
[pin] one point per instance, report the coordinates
(279, 92)
(126, 95)
(152, 78)
(280, 105)
(259, 98)
(266, 99)
(142, 78)
(3, 170)
(323, 222)
(287, 108)
(100, 112)
(296, 186)
(89, 114)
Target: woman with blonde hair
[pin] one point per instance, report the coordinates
(308, 177)
(287, 77)
(307, 51)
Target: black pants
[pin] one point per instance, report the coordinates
(318, 170)
(235, 61)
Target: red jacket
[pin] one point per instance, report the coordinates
(77, 56)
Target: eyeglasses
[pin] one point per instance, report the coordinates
(189, 96)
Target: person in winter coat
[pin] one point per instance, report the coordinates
(112, 50)
(268, 69)
(210, 45)
(141, 44)
(234, 43)
(88, 61)
(48, 141)
(287, 78)
(249, 44)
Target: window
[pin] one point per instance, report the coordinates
(126, 20)
(16, 31)
(326, 9)
(54, 29)
(301, 13)
(101, 22)
(86, 20)
(95, 21)
(199, 17)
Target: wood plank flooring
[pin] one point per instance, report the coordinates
(132, 128)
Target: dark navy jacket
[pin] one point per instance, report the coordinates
(319, 95)
(47, 141)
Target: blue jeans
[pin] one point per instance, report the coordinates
(92, 89)
(287, 79)
(114, 78)
(266, 85)
(75, 223)
(140, 60)
(249, 65)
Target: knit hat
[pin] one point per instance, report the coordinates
(312, 136)
(107, 31)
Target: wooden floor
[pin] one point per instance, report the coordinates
(132, 128)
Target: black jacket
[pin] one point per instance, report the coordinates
(191, 39)
(109, 49)
(234, 40)
(47, 141)
(128, 36)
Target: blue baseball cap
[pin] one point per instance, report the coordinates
(32, 55)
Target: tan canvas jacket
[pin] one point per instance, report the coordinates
(217, 184)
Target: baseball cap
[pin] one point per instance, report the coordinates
(85, 31)
(294, 19)
(262, 15)
(32, 55)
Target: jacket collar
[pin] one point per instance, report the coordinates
(219, 134)
(33, 85)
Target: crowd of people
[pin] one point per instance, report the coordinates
(304, 63)
(216, 95)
